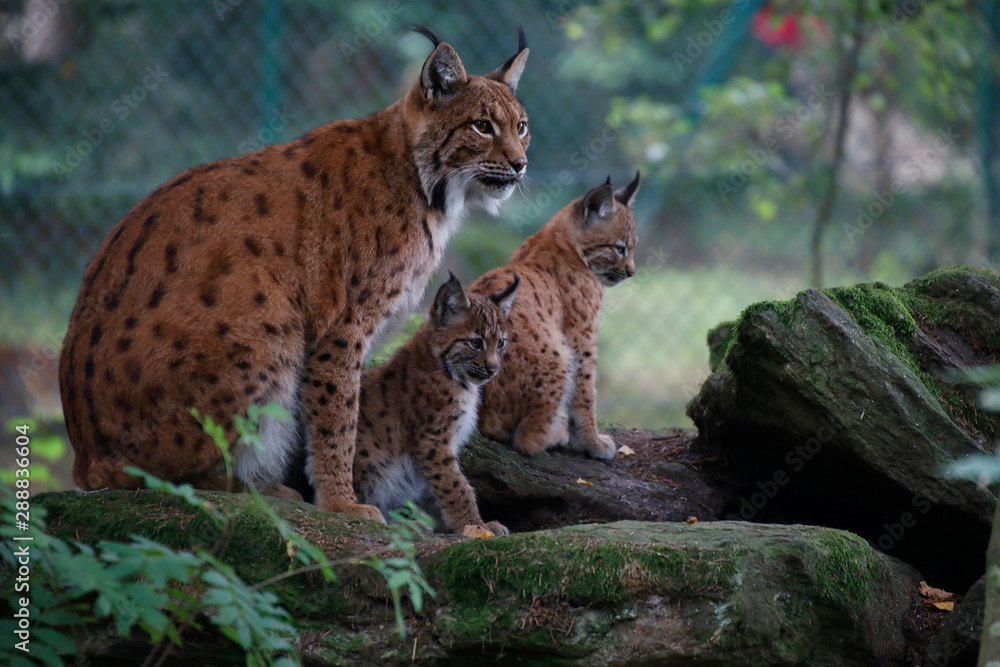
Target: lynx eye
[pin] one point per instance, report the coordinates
(476, 344)
(483, 127)
(620, 249)
(502, 343)
(522, 129)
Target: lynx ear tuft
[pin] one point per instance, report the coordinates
(425, 31)
(510, 72)
(626, 195)
(505, 297)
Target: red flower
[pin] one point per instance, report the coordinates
(777, 32)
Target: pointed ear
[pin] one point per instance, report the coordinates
(451, 301)
(627, 194)
(510, 72)
(597, 204)
(443, 74)
(505, 298)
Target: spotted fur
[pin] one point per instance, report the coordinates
(545, 396)
(268, 277)
(418, 409)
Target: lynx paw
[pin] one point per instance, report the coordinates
(603, 447)
(354, 509)
(282, 491)
(491, 529)
(497, 528)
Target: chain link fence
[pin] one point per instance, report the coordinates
(103, 100)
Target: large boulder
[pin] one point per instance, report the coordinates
(836, 408)
(622, 593)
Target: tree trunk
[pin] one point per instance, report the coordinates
(826, 207)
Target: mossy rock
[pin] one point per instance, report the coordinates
(631, 592)
(835, 407)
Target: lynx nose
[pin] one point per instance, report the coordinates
(519, 165)
(492, 369)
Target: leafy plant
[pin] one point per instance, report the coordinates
(143, 585)
(139, 585)
(983, 468)
(403, 570)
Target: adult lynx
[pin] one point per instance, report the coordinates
(267, 277)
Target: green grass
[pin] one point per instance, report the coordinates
(653, 353)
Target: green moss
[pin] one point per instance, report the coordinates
(719, 339)
(254, 546)
(878, 310)
(506, 584)
(581, 572)
(845, 568)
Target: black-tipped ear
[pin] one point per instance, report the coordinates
(626, 195)
(505, 297)
(597, 204)
(443, 72)
(510, 72)
(450, 301)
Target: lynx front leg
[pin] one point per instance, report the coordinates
(583, 433)
(330, 399)
(453, 492)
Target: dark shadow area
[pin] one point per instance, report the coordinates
(834, 488)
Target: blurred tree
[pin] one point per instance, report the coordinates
(730, 147)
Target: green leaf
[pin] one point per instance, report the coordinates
(275, 411)
(416, 596)
(58, 641)
(217, 597)
(215, 578)
(244, 634)
(102, 607)
(46, 655)
(154, 622)
(978, 467)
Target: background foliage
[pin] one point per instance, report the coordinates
(730, 109)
